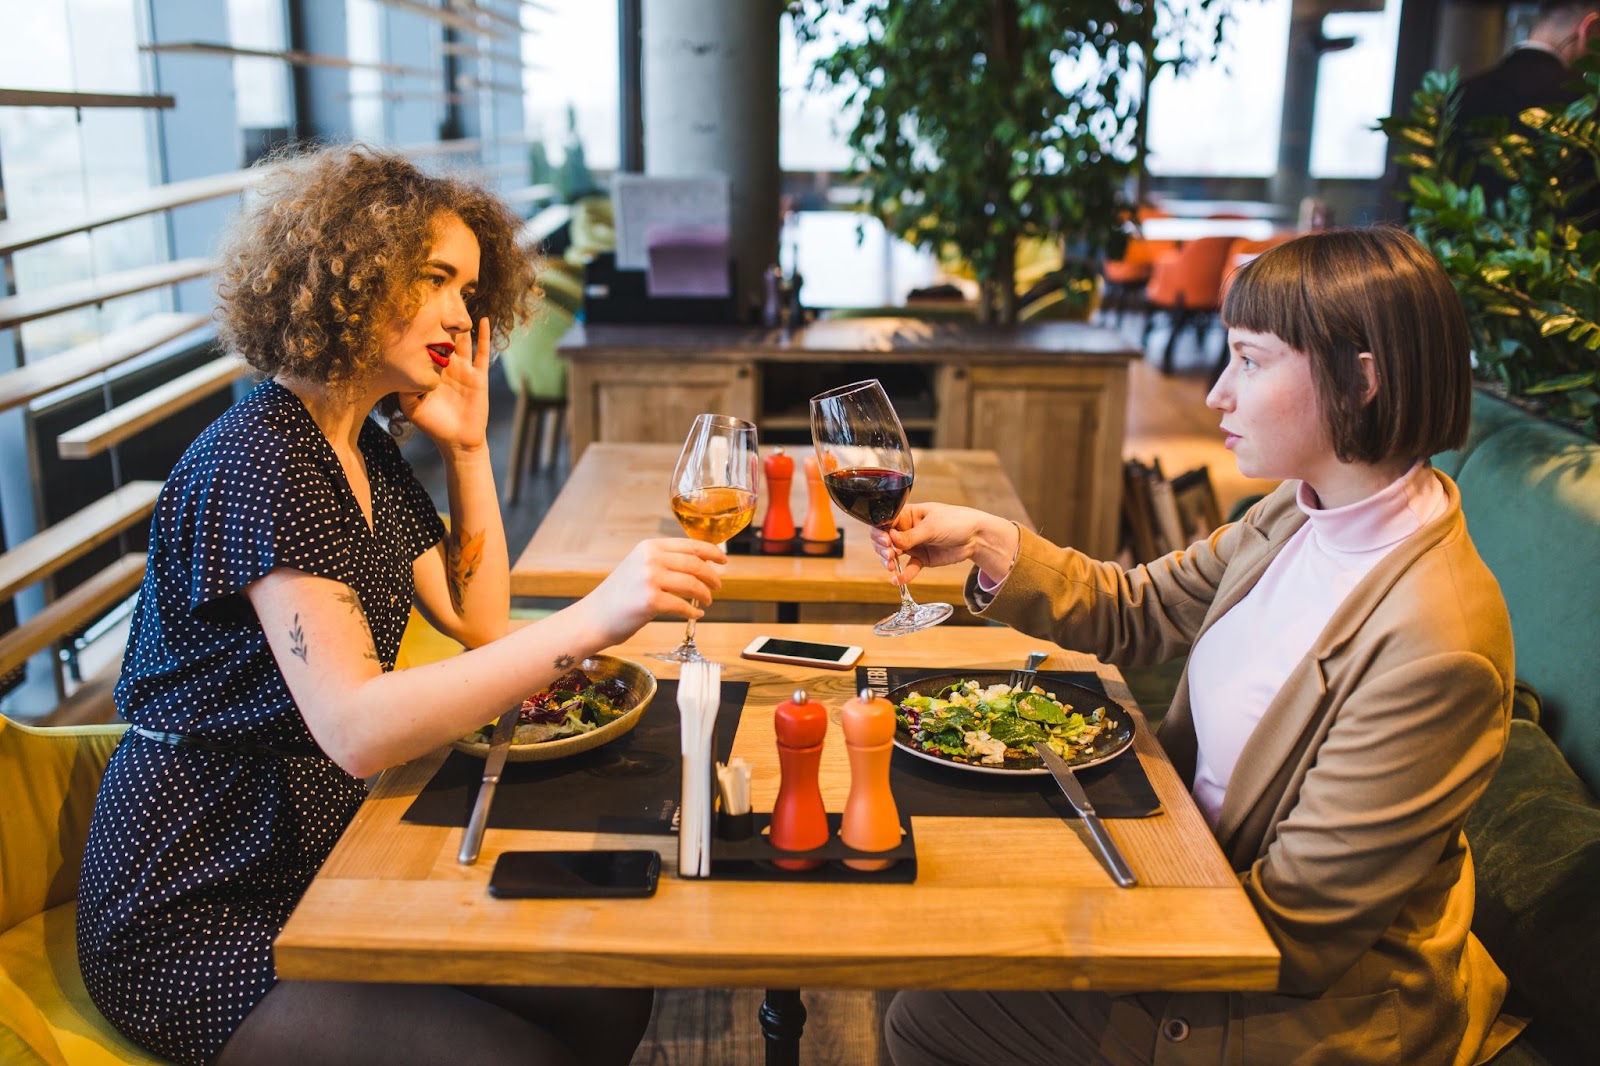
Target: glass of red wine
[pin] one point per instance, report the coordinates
(866, 466)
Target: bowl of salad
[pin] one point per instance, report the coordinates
(976, 720)
(594, 703)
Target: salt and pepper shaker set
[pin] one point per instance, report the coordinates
(799, 821)
(778, 526)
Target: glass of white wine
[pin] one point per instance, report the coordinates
(713, 493)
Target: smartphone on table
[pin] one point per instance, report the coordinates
(574, 874)
(803, 653)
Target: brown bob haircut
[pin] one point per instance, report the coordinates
(326, 260)
(1337, 293)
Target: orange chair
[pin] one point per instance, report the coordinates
(1126, 278)
(1187, 285)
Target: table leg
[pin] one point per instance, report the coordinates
(783, 1017)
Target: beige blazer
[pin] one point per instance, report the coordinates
(1344, 814)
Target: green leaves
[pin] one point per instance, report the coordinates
(965, 102)
(1523, 266)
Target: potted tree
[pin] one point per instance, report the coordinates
(986, 122)
(1525, 266)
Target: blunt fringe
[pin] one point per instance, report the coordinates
(1337, 293)
(327, 255)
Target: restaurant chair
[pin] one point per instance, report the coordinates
(538, 378)
(48, 781)
(1186, 285)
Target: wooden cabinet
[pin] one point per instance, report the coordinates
(1049, 399)
(652, 400)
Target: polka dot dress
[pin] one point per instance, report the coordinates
(196, 857)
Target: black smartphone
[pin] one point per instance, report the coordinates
(574, 874)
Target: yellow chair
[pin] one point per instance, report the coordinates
(48, 781)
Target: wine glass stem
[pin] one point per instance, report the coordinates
(906, 602)
(688, 629)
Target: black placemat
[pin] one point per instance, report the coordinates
(630, 785)
(1118, 789)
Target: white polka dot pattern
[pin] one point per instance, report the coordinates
(195, 857)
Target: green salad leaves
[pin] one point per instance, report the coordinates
(971, 723)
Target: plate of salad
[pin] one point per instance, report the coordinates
(976, 720)
(594, 703)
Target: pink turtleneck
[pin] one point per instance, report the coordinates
(1238, 665)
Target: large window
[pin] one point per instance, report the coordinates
(571, 54)
(55, 162)
(1354, 89)
(1222, 119)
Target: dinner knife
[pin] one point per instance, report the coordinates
(499, 745)
(1115, 863)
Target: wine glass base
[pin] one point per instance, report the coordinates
(683, 653)
(913, 619)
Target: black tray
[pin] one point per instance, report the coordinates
(748, 541)
(751, 859)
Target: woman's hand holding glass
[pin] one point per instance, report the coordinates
(868, 471)
(941, 534)
(663, 577)
(713, 493)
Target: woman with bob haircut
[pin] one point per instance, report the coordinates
(1346, 698)
(287, 549)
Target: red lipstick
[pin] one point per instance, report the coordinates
(441, 353)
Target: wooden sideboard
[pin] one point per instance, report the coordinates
(1049, 398)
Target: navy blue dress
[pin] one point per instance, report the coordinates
(196, 856)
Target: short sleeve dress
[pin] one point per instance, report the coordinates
(196, 856)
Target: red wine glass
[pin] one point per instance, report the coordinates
(866, 466)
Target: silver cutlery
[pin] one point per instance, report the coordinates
(1023, 678)
(499, 745)
(1116, 865)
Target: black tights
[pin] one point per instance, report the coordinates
(309, 1023)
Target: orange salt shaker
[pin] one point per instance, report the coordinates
(819, 524)
(871, 820)
(799, 821)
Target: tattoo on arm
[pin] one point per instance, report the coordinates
(464, 554)
(349, 598)
(564, 661)
(297, 640)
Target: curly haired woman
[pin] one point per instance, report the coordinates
(287, 549)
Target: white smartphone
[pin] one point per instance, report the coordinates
(803, 653)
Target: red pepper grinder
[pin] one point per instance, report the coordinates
(820, 529)
(799, 822)
(778, 526)
(871, 820)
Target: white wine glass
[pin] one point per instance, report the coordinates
(867, 469)
(713, 492)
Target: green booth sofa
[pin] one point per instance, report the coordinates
(1531, 494)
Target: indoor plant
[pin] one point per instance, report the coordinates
(986, 122)
(1524, 269)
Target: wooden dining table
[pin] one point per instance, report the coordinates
(997, 902)
(617, 495)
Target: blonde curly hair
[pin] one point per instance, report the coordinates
(329, 253)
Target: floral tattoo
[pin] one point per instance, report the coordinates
(297, 640)
(350, 598)
(564, 661)
(464, 554)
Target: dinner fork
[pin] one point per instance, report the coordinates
(1023, 678)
